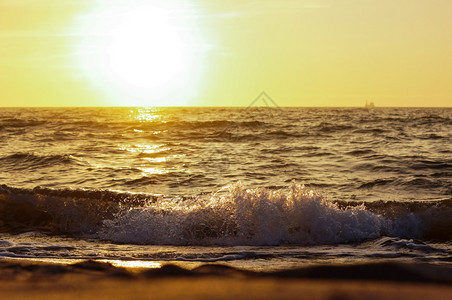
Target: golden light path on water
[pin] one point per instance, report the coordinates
(132, 263)
(114, 262)
(155, 159)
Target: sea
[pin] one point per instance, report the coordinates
(259, 188)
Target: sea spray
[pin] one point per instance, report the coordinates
(241, 216)
(233, 215)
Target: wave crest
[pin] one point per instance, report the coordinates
(258, 216)
(234, 215)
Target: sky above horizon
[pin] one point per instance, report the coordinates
(225, 53)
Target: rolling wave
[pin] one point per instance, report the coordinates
(233, 215)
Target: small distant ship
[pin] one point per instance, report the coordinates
(369, 104)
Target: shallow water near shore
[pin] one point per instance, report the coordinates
(66, 250)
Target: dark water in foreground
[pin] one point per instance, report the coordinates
(259, 188)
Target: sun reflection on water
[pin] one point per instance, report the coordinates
(148, 149)
(156, 159)
(153, 158)
(151, 114)
(147, 117)
(114, 262)
(132, 263)
(153, 171)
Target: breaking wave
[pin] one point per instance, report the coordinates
(233, 215)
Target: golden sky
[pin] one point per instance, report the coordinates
(225, 53)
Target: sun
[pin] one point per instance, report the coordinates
(144, 50)
(140, 53)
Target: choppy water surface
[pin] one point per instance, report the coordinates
(252, 187)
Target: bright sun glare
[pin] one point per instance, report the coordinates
(141, 52)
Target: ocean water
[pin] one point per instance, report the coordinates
(259, 188)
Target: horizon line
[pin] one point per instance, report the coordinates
(220, 106)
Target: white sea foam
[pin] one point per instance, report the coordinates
(259, 216)
(233, 215)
